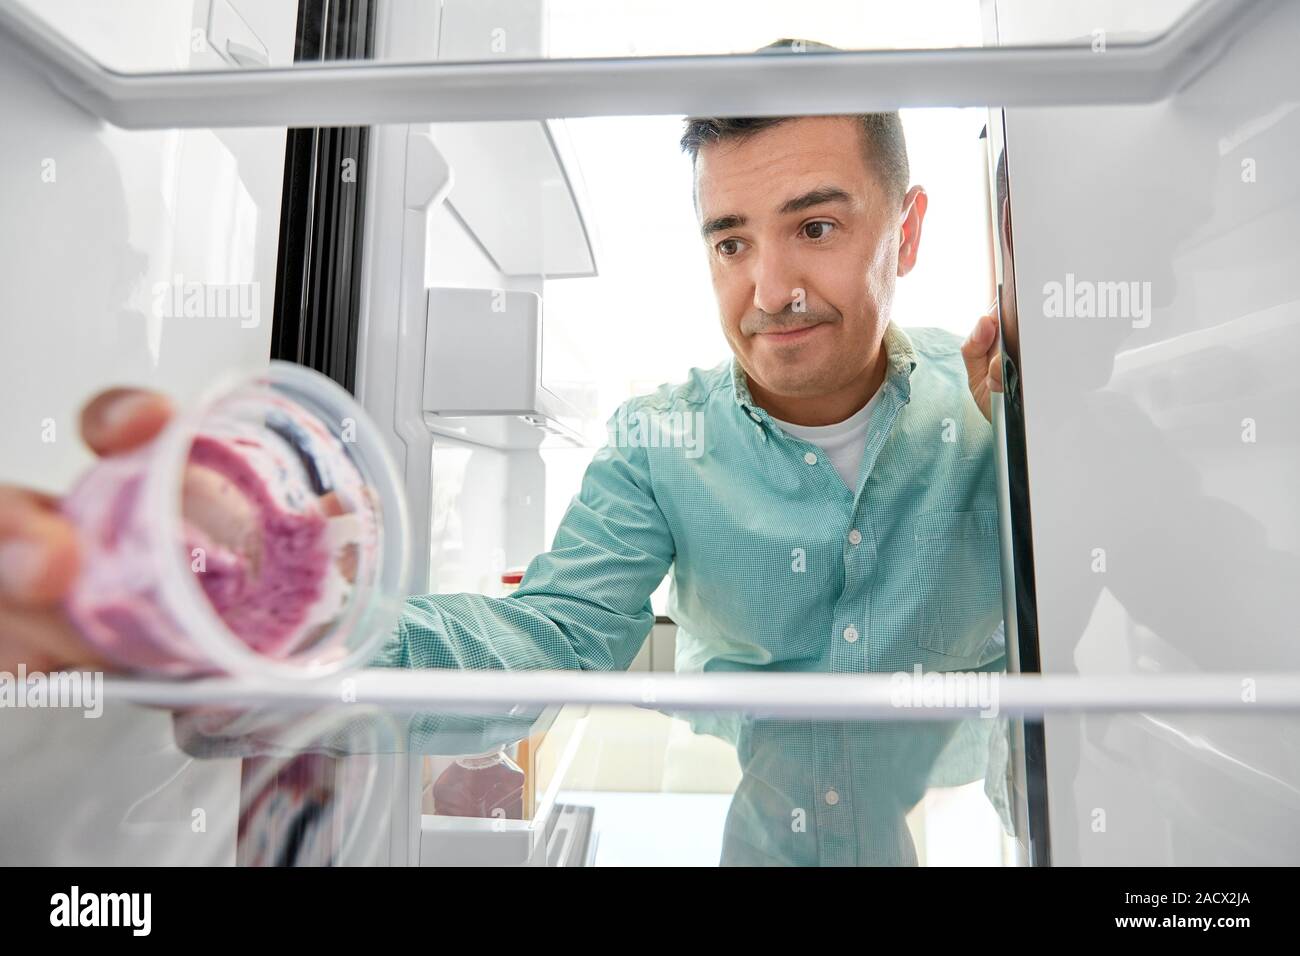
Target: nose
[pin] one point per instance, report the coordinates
(775, 282)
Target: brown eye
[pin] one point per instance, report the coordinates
(728, 247)
(818, 230)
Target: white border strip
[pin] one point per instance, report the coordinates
(842, 696)
(344, 94)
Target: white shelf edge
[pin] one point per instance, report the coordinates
(846, 696)
(348, 94)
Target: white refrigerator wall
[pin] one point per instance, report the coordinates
(488, 503)
(1164, 444)
(107, 235)
(476, 510)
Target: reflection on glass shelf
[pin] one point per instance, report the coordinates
(656, 829)
(581, 784)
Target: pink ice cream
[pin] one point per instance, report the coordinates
(255, 537)
(263, 578)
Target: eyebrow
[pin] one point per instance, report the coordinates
(814, 197)
(721, 224)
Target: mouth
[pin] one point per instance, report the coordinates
(792, 335)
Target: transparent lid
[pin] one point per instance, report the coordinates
(290, 524)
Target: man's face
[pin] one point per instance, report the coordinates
(804, 245)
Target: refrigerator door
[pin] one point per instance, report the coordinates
(1151, 315)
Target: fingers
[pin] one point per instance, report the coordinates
(983, 336)
(44, 640)
(38, 551)
(123, 418)
(38, 563)
(980, 353)
(14, 653)
(975, 351)
(39, 558)
(995, 373)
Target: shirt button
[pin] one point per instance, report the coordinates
(832, 798)
(855, 536)
(850, 633)
(810, 458)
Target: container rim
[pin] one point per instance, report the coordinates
(386, 593)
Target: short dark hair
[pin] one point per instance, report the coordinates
(882, 133)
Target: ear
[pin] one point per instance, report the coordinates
(909, 228)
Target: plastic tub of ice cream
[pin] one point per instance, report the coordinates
(263, 533)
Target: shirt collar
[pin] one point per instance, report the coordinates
(898, 350)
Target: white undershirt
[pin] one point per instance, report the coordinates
(844, 442)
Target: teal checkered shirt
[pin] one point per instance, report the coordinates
(776, 566)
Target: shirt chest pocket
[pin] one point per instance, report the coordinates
(960, 582)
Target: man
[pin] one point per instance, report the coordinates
(839, 515)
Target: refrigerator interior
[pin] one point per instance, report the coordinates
(1159, 440)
